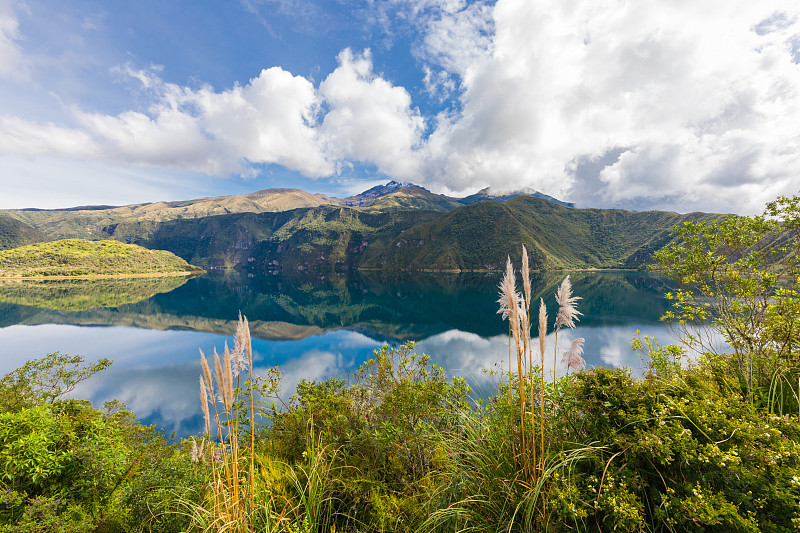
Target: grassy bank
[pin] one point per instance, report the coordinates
(70, 258)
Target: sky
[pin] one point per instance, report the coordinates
(678, 105)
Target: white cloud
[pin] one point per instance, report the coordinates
(705, 109)
(12, 63)
(691, 105)
(457, 36)
(274, 119)
(370, 120)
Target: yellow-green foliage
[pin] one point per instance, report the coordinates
(84, 294)
(78, 257)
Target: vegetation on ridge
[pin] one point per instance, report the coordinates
(77, 257)
(396, 228)
(14, 233)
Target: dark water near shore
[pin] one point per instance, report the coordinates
(312, 327)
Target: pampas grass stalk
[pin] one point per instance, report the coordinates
(542, 348)
(516, 308)
(511, 308)
(526, 286)
(567, 314)
(231, 494)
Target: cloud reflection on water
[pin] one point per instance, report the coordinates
(155, 373)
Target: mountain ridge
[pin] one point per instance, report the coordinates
(396, 226)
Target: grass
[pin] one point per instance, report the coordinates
(77, 257)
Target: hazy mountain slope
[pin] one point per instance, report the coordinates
(90, 222)
(412, 197)
(482, 235)
(489, 194)
(15, 233)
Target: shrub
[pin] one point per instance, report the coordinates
(385, 431)
(678, 455)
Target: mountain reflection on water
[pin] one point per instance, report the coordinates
(313, 327)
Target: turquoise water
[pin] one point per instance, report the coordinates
(312, 327)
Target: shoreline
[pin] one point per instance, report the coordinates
(103, 276)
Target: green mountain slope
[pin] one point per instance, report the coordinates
(489, 194)
(391, 227)
(481, 236)
(14, 233)
(320, 238)
(77, 257)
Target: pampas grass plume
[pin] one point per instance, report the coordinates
(542, 329)
(567, 313)
(572, 357)
(204, 405)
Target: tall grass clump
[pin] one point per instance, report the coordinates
(226, 406)
(506, 452)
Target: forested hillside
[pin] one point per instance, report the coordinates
(14, 233)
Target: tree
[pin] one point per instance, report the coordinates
(45, 380)
(737, 283)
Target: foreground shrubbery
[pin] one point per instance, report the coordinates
(68, 467)
(399, 450)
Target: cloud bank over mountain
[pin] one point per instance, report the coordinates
(682, 106)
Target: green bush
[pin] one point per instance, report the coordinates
(384, 429)
(678, 455)
(66, 466)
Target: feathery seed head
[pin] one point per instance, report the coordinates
(228, 377)
(508, 294)
(204, 405)
(542, 329)
(220, 377)
(526, 277)
(567, 313)
(572, 357)
(248, 344)
(239, 355)
(207, 375)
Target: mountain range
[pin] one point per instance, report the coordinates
(397, 226)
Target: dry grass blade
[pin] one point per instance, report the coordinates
(204, 405)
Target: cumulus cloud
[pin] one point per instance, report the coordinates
(691, 106)
(647, 104)
(370, 120)
(276, 118)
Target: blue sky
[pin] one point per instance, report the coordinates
(641, 105)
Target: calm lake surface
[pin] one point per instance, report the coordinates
(312, 327)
